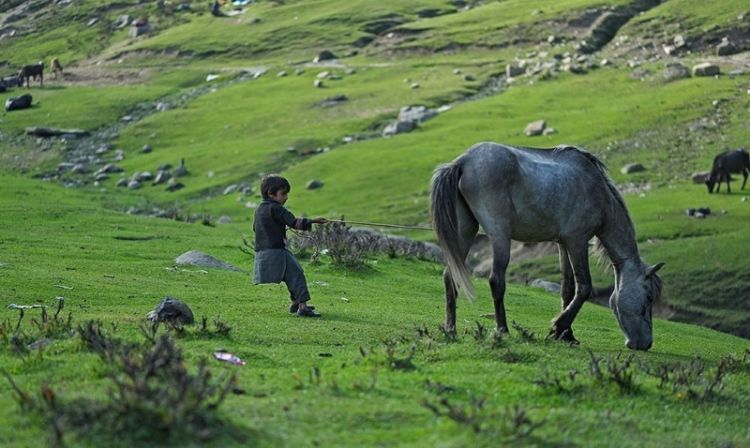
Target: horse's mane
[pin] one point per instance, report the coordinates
(601, 251)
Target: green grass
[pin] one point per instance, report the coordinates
(118, 281)
(234, 132)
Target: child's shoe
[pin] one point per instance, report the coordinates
(295, 306)
(307, 312)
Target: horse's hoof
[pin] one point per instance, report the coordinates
(564, 335)
(503, 330)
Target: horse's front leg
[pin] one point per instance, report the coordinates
(567, 283)
(500, 259)
(450, 302)
(562, 325)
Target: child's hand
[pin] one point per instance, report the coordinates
(320, 221)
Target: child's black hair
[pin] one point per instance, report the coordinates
(272, 183)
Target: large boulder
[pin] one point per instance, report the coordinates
(706, 69)
(675, 71)
(172, 311)
(202, 259)
(18, 102)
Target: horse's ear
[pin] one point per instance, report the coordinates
(654, 269)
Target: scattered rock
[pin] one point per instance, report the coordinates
(123, 182)
(172, 311)
(631, 168)
(161, 177)
(39, 131)
(325, 55)
(18, 103)
(110, 168)
(700, 177)
(417, 114)
(134, 185)
(173, 185)
(202, 259)
(146, 149)
(675, 71)
(314, 184)
(512, 71)
(546, 285)
(706, 69)
(398, 127)
(181, 170)
(726, 47)
(535, 128)
(139, 30)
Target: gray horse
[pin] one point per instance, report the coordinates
(726, 163)
(563, 195)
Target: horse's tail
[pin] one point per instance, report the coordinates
(444, 198)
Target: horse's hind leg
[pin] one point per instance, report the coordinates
(744, 174)
(500, 259)
(567, 284)
(579, 259)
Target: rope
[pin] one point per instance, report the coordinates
(378, 224)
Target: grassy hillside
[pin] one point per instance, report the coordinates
(306, 382)
(234, 96)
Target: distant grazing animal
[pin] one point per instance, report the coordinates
(726, 163)
(56, 67)
(563, 195)
(27, 72)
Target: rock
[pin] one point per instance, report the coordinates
(18, 103)
(549, 131)
(101, 177)
(146, 149)
(679, 41)
(161, 177)
(134, 185)
(224, 219)
(92, 22)
(706, 69)
(417, 114)
(172, 311)
(173, 185)
(314, 184)
(299, 71)
(144, 176)
(325, 55)
(281, 74)
(414, 85)
(318, 83)
(230, 189)
(54, 132)
(136, 30)
(201, 259)
(79, 168)
(675, 71)
(700, 177)
(546, 285)
(469, 78)
(332, 101)
(65, 167)
(122, 21)
(725, 48)
(110, 168)
(398, 127)
(535, 128)
(631, 168)
(181, 170)
(123, 182)
(512, 71)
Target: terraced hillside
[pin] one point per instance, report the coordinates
(367, 98)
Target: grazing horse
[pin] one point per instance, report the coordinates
(726, 163)
(563, 195)
(56, 67)
(27, 72)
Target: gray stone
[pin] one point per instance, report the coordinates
(325, 55)
(700, 177)
(161, 177)
(398, 127)
(314, 184)
(122, 21)
(535, 128)
(134, 185)
(230, 189)
(224, 219)
(725, 48)
(146, 149)
(512, 71)
(675, 71)
(706, 69)
(631, 168)
(202, 259)
(416, 114)
(123, 182)
(546, 285)
(136, 31)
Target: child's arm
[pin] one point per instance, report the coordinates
(288, 219)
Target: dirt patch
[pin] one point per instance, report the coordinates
(100, 76)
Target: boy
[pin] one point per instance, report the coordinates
(273, 261)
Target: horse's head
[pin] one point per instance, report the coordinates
(639, 286)
(710, 182)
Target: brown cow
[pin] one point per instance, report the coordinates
(726, 163)
(27, 72)
(56, 67)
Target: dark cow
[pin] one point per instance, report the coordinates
(56, 67)
(18, 102)
(726, 163)
(27, 72)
